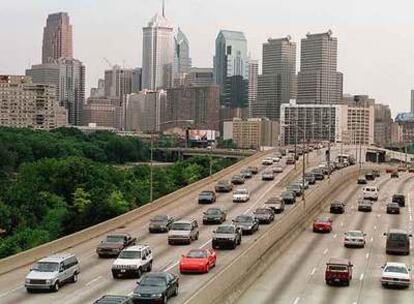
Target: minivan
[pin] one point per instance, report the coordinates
(51, 272)
(183, 232)
(398, 242)
(370, 192)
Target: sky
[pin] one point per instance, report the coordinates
(375, 37)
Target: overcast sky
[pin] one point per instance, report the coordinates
(376, 37)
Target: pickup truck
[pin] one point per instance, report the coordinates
(113, 244)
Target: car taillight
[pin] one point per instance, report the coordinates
(405, 280)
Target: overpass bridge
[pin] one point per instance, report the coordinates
(286, 248)
(222, 153)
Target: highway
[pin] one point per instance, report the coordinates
(96, 279)
(298, 275)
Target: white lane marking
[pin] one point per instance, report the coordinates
(10, 291)
(361, 277)
(325, 251)
(130, 294)
(367, 256)
(335, 235)
(375, 227)
(409, 207)
(93, 281)
(372, 239)
(342, 224)
(313, 271)
(296, 300)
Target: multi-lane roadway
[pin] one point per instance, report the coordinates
(298, 275)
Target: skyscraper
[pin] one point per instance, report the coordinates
(277, 84)
(118, 82)
(182, 60)
(252, 91)
(157, 55)
(57, 38)
(318, 79)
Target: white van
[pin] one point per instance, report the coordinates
(370, 192)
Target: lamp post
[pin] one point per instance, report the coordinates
(152, 151)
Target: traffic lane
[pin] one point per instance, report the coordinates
(317, 291)
(295, 266)
(373, 290)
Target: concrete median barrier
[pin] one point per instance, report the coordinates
(225, 283)
(29, 256)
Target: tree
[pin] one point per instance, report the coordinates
(81, 200)
(117, 203)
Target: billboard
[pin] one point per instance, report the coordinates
(202, 135)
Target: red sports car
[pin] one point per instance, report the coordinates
(198, 261)
(322, 224)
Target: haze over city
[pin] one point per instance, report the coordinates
(375, 38)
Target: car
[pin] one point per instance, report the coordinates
(395, 174)
(227, 235)
(237, 180)
(114, 243)
(112, 299)
(370, 193)
(264, 215)
(160, 223)
(389, 170)
(198, 261)
(214, 216)
(246, 173)
(184, 231)
(402, 169)
(247, 223)
(304, 185)
(282, 152)
(267, 161)
(376, 173)
(310, 178)
(277, 169)
(241, 195)
(337, 207)
(155, 287)
(268, 175)
(396, 275)
(411, 170)
(288, 197)
(338, 271)
(295, 188)
(253, 169)
(365, 205)
(275, 159)
(51, 272)
(398, 242)
(322, 224)
(399, 198)
(318, 174)
(223, 186)
(354, 238)
(369, 176)
(393, 208)
(362, 181)
(207, 197)
(290, 160)
(133, 261)
(276, 204)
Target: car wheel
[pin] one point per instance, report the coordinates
(115, 275)
(56, 287)
(233, 245)
(197, 235)
(347, 283)
(149, 267)
(175, 293)
(139, 272)
(29, 290)
(74, 278)
(165, 299)
(207, 268)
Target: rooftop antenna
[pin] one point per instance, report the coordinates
(163, 8)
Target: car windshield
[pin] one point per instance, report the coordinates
(46, 267)
(240, 191)
(197, 254)
(114, 239)
(159, 218)
(213, 212)
(222, 183)
(354, 234)
(130, 255)
(181, 226)
(397, 269)
(153, 281)
(243, 219)
(287, 194)
(398, 237)
(261, 211)
(272, 201)
(323, 219)
(337, 268)
(225, 229)
(205, 193)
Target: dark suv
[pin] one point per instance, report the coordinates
(399, 198)
(223, 186)
(114, 300)
(337, 207)
(206, 197)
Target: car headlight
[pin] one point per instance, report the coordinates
(156, 295)
(27, 281)
(49, 281)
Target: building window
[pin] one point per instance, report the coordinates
(229, 50)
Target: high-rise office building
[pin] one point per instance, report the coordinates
(118, 82)
(383, 125)
(158, 52)
(57, 38)
(29, 105)
(231, 68)
(277, 84)
(102, 112)
(200, 104)
(318, 79)
(136, 80)
(199, 77)
(182, 60)
(68, 76)
(253, 67)
(98, 91)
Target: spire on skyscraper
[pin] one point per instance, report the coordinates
(163, 8)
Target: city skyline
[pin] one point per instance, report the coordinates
(92, 29)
